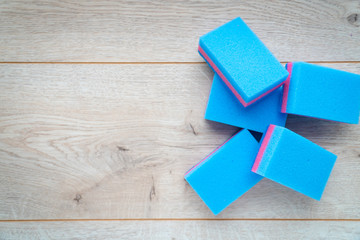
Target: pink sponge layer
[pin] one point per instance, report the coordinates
(264, 143)
(286, 87)
(217, 70)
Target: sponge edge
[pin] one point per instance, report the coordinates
(322, 92)
(293, 161)
(225, 174)
(242, 61)
(223, 107)
(264, 142)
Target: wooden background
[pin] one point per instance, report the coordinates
(101, 114)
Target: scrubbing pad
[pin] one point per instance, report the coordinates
(292, 160)
(223, 107)
(322, 92)
(225, 174)
(242, 61)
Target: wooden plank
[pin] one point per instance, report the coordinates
(113, 141)
(181, 230)
(162, 31)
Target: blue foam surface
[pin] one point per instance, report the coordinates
(243, 59)
(296, 162)
(225, 108)
(325, 93)
(226, 174)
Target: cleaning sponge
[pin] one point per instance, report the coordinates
(223, 107)
(291, 160)
(242, 61)
(225, 174)
(322, 92)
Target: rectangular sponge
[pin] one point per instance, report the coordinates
(224, 175)
(322, 92)
(242, 61)
(225, 108)
(293, 161)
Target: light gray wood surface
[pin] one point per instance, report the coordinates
(182, 230)
(114, 141)
(162, 31)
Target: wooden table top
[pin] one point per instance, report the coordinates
(102, 112)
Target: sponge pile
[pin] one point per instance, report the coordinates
(253, 91)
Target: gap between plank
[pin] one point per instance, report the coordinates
(102, 63)
(184, 219)
(155, 63)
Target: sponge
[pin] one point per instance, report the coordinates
(292, 160)
(225, 174)
(223, 107)
(322, 92)
(242, 61)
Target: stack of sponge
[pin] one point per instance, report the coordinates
(252, 90)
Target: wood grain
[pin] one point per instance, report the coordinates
(113, 141)
(163, 31)
(181, 230)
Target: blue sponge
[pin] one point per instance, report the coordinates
(223, 107)
(322, 92)
(242, 61)
(292, 160)
(225, 174)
